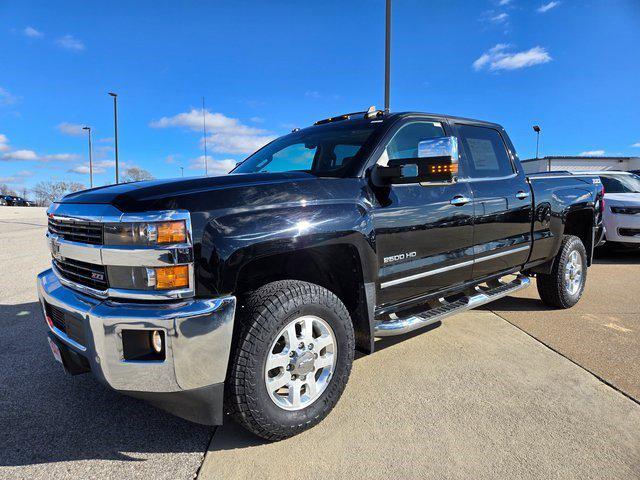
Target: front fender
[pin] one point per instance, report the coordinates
(232, 240)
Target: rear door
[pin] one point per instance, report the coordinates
(501, 196)
(423, 232)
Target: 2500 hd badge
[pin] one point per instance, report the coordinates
(401, 256)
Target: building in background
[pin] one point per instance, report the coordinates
(572, 164)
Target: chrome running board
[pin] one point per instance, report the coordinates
(480, 296)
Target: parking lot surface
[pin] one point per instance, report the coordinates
(480, 396)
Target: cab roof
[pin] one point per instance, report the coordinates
(380, 115)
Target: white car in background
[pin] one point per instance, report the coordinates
(621, 207)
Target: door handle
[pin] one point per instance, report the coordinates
(460, 200)
(521, 195)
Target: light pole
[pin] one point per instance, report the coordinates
(387, 56)
(182, 171)
(536, 129)
(204, 136)
(115, 126)
(88, 129)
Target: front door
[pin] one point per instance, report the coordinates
(502, 200)
(423, 233)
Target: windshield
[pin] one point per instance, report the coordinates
(621, 183)
(324, 150)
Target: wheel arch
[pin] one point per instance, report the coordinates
(336, 267)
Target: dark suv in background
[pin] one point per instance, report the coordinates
(12, 201)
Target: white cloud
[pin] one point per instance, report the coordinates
(106, 140)
(236, 144)
(171, 159)
(98, 167)
(316, 95)
(6, 98)
(500, 18)
(257, 119)
(547, 6)
(17, 178)
(59, 157)
(32, 32)
(70, 43)
(503, 3)
(215, 167)
(20, 156)
(72, 129)
(81, 169)
(592, 153)
(4, 143)
(637, 145)
(499, 58)
(226, 134)
(31, 156)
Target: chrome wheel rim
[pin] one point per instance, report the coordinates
(300, 363)
(573, 273)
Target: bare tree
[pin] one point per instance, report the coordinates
(5, 190)
(47, 192)
(135, 174)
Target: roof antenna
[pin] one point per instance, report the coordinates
(204, 132)
(387, 58)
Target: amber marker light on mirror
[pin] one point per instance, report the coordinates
(448, 168)
(172, 277)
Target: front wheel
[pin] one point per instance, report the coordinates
(292, 358)
(563, 287)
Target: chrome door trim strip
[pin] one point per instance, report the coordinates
(448, 268)
(410, 278)
(501, 254)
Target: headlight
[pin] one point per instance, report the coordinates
(145, 233)
(625, 210)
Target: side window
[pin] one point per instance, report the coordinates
(404, 143)
(485, 151)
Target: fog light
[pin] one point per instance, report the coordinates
(171, 277)
(156, 341)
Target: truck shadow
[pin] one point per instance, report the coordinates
(48, 416)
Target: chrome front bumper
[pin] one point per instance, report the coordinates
(198, 336)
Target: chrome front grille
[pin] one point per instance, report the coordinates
(87, 274)
(84, 258)
(77, 230)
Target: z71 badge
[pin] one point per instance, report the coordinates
(399, 257)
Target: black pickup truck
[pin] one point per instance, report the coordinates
(248, 293)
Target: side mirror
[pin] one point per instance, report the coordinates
(437, 162)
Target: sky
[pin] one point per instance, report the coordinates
(265, 67)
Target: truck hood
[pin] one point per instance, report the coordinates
(147, 195)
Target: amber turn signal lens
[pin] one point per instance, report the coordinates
(446, 168)
(171, 232)
(172, 277)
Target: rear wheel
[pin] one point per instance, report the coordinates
(563, 287)
(292, 359)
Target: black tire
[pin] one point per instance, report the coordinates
(551, 287)
(264, 314)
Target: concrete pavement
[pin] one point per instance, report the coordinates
(602, 332)
(473, 398)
